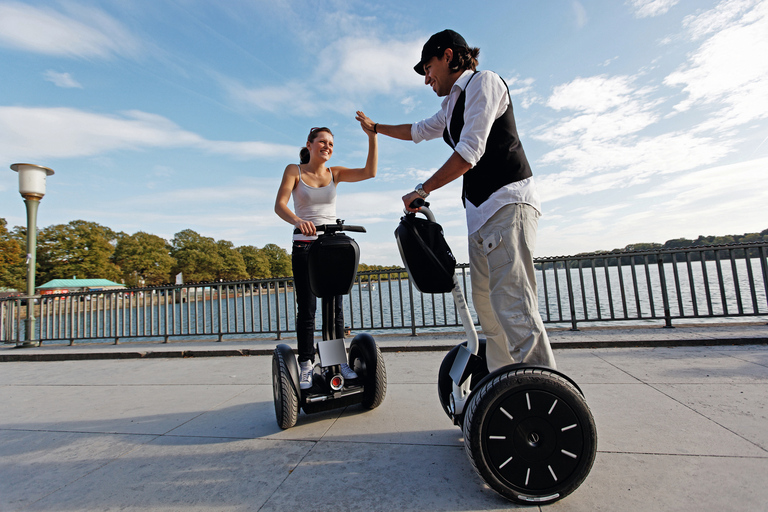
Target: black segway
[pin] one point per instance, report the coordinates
(333, 260)
(527, 430)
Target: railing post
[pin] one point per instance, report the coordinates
(413, 311)
(571, 302)
(277, 306)
(664, 294)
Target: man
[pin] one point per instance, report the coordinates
(500, 198)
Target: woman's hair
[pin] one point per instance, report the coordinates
(313, 133)
(464, 58)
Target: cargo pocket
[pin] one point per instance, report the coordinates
(496, 252)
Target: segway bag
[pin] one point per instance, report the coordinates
(426, 255)
(332, 262)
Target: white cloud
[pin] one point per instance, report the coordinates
(713, 201)
(64, 80)
(607, 142)
(370, 65)
(39, 133)
(593, 94)
(580, 13)
(651, 8)
(598, 166)
(295, 98)
(347, 71)
(409, 104)
(729, 71)
(83, 32)
(714, 20)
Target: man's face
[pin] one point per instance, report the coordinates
(437, 74)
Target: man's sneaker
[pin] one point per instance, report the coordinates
(347, 372)
(305, 378)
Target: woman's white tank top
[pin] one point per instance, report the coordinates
(317, 204)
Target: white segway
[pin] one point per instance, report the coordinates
(528, 431)
(333, 260)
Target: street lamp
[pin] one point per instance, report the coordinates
(32, 188)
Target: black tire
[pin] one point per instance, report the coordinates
(366, 360)
(445, 383)
(530, 435)
(284, 389)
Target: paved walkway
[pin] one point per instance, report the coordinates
(681, 426)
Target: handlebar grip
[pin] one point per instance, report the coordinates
(418, 203)
(333, 228)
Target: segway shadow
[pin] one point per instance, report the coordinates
(333, 260)
(528, 431)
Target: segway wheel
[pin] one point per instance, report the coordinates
(366, 360)
(530, 435)
(286, 395)
(445, 383)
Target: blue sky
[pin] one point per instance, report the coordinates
(644, 120)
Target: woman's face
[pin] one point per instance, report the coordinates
(322, 146)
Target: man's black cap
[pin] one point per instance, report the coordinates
(437, 44)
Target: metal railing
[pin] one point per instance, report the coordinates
(707, 282)
(687, 283)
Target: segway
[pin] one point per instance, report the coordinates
(528, 431)
(332, 260)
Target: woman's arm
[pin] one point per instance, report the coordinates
(288, 183)
(371, 164)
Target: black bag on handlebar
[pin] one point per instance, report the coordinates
(332, 262)
(426, 255)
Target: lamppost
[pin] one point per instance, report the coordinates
(32, 189)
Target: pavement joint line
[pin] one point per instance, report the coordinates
(230, 352)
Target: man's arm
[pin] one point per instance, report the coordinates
(396, 131)
(452, 169)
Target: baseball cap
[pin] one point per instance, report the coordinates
(437, 44)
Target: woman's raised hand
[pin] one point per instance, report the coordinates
(365, 122)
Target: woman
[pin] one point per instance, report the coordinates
(313, 186)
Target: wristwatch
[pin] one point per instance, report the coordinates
(420, 190)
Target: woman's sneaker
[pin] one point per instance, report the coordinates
(347, 372)
(305, 377)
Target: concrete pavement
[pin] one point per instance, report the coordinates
(681, 426)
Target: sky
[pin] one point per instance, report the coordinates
(643, 120)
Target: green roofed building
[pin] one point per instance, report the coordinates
(78, 285)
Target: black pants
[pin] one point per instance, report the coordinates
(307, 305)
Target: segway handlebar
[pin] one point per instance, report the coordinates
(334, 228)
(423, 207)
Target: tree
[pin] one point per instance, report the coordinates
(78, 249)
(12, 259)
(279, 261)
(256, 262)
(144, 259)
(197, 257)
(233, 266)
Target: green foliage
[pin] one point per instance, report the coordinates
(197, 257)
(279, 261)
(233, 265)
(79, 249)
(12, 260)
(363, 267)
(143, 259)
(256, 262)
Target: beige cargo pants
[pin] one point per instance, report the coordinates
(504, 288)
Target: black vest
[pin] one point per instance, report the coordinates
(504, 160)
